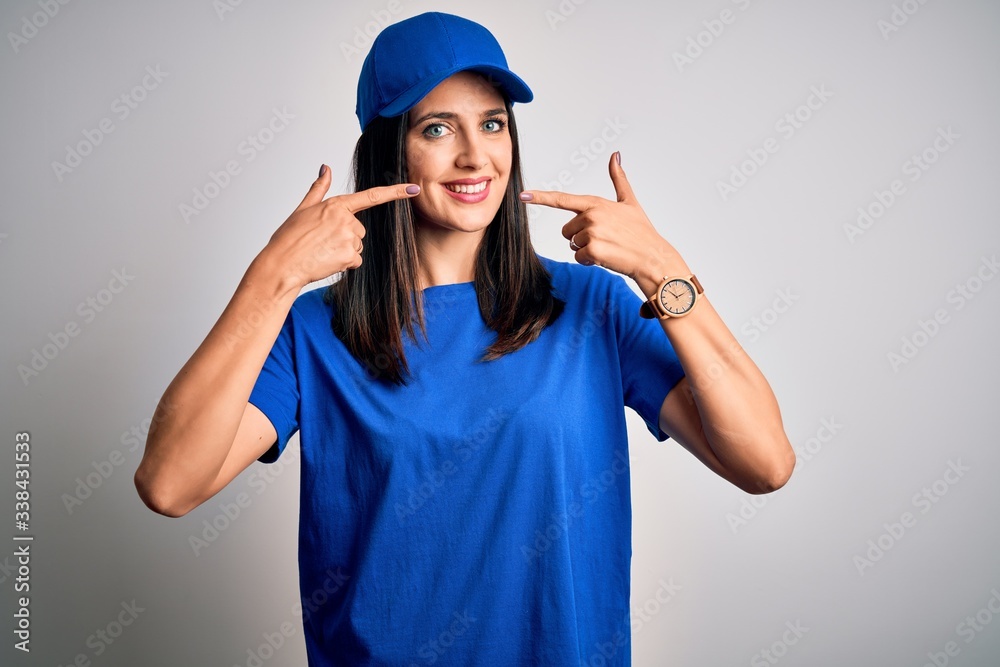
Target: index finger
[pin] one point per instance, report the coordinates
(359, 201)
(563, 200)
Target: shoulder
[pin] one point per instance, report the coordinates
(575, 282)
(312, 307)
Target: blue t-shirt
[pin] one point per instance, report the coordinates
(480, 514)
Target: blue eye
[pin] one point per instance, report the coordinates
(436, 126)
(438, 130)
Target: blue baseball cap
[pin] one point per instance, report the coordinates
(409, 58)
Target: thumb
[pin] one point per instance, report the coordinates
(318, 189)
(622, 187)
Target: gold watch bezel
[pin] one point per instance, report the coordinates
(656, 304)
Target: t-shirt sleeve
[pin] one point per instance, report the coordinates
(276, 392)
(650, 368)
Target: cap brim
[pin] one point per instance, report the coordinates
(515, 88)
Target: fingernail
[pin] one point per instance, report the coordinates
(526, 196)
(618, 157)
(321, 168)
(412, 189)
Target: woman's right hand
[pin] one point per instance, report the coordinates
(323, 236)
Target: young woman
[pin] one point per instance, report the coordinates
(460, 400)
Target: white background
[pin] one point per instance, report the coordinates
(682, 128)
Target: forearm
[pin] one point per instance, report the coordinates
(196, 420)
(739, 413)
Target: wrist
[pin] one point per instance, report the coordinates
(656, 267)
(265, 274)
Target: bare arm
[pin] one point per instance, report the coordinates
(204, 432)
(723, 411)
(192, 450)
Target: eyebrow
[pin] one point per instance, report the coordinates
(448, 114)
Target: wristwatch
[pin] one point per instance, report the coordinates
(674, 297)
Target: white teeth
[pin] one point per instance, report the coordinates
(468, 189)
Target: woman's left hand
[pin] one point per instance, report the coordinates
(614, 234)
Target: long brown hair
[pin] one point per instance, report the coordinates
(377, 301)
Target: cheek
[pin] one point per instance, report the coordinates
(503, 157)
(425, 203)
(425, 163)
(416, 164)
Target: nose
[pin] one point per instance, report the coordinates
(471, 152)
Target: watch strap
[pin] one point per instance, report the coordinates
(647, 309)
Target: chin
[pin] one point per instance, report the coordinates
(461, 218)
(465, 223)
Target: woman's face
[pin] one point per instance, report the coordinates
(459, 152)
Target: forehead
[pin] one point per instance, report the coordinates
(468, 91)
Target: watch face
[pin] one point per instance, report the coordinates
(677, 296)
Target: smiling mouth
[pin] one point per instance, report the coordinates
(469, 193)
(463, 188)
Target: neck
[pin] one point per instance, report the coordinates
(446, 256)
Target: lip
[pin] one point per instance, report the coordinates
(467, 181)
(469, 198)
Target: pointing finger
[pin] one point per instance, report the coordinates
(359, 201)
(563, 200)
